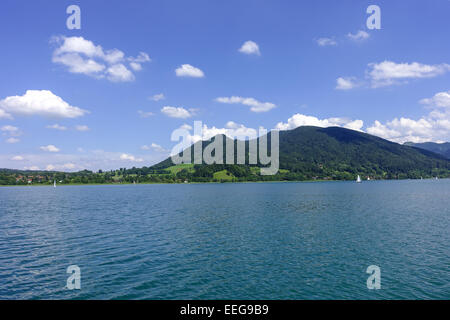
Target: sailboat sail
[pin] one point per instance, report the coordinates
(358, 179)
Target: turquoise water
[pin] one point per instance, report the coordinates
(227, 241)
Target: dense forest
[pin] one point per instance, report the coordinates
(306, 153)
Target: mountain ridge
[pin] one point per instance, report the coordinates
(305, 153)
(323, 151)
(440, 148)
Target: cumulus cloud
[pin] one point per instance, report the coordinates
(186, 70)
(49, 148)
(129, 157)
(136, 63)
(358, 36)
(88, 159)
(11, 131)
(255, 105)
(56, 127)
(32, 168)
(61, 167)
(40, 102)
(404, 129)
(250, 47)
(154, 146)
(440, 99)
(5, 115)
(346, 83)
(82, 56)
(17, 158)
(177, 112)
(232, 130)
(78, 64)
(323, 42)
(157, 97)
(119, 73)
(435, 126)
(145, 114)
(12, 140)
(298, 120)
(389, 72)
(82, 128)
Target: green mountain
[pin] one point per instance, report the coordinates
(440, 148)
(306, 153)
(335, 153)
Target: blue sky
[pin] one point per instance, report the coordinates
(76, 99)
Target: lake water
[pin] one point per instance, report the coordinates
(227, 241)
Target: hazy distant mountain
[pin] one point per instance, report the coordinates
(441, 148)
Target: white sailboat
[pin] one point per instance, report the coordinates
(358, 180)
(54, 183)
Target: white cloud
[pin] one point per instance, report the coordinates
(145, 114)
(136, 63)
(78, 64)
(82, 128)
(49, 148)
(232, 130)
(155, 147)
(12, 132)
(56, 127)
(255, 105)
(157, 97)
(10, 129)
(129, 157)
(114, 56)
(250, 47)
(435, 126)
(141, 58)
(82, 56)
(404, 129)
(12, 140)
(323, 42)
(440, 99)
(346, 83)
(186, 70)
(136, 66)
(298, 120)
(60, 167)
(5, 115)
(78, 45)
(32, 168)
(177, 112)
(388, 72)
(358, 36)
(17, 158)
(88, 159)
(40, 102)
(69, 166)
(119, 73)
(186, 127)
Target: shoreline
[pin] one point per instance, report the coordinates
(211, 182)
